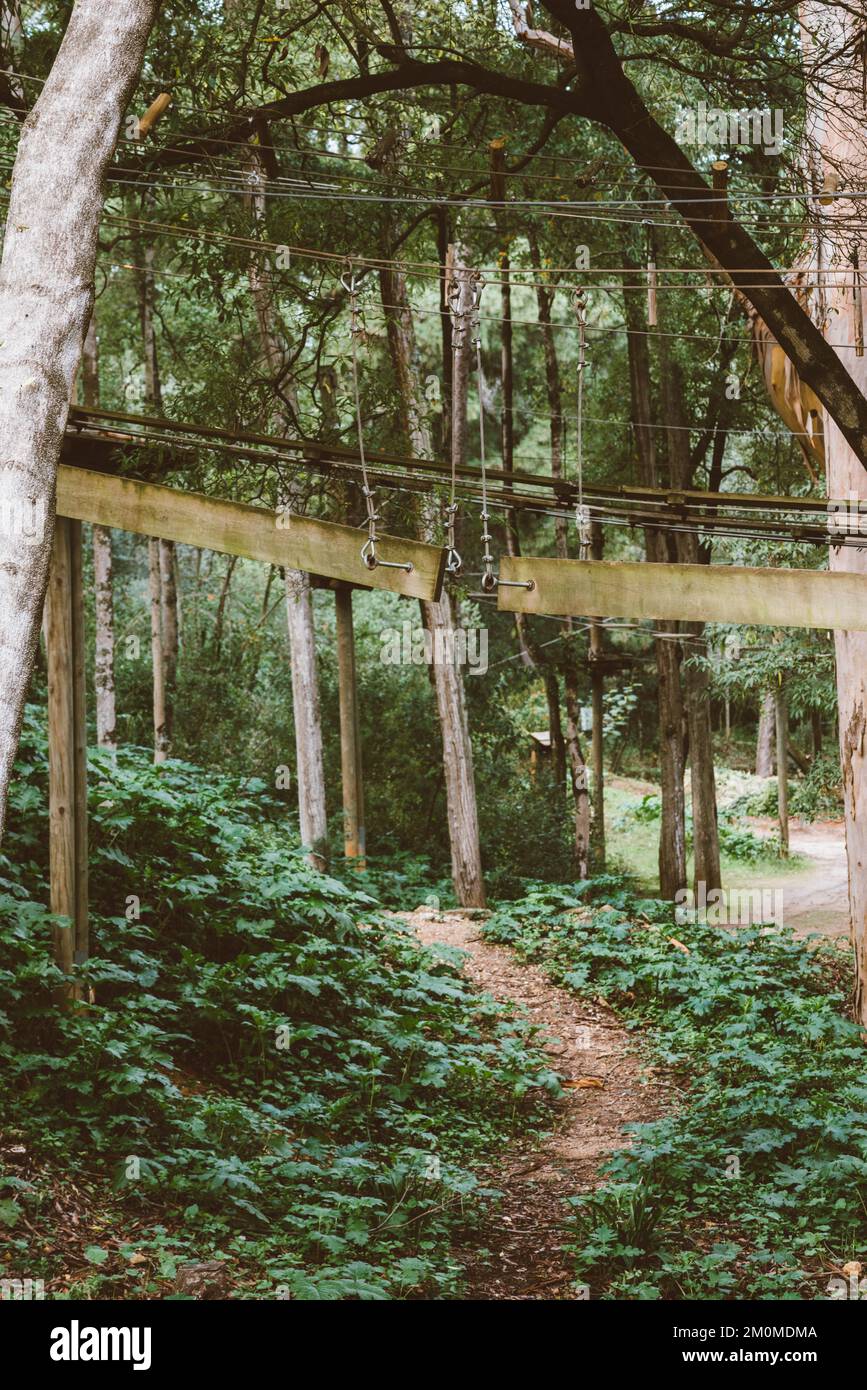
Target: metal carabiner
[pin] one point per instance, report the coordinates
(371, 560)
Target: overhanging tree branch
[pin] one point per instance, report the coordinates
(602, 92)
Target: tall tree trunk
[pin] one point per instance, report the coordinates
(441, 616)
(837, 157)
(554, 394)
(103, 583)
(161, 743)
(219, 620)
(672, 829)
(167, 650)
(103, 579)
(781, 712)
(46, 299)
(310, 767)
(313, 821)
(765, 738)
(170, 629)
(696, 680)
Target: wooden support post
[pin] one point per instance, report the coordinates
(350, 740)
(79, 740)
(67, 747)
(782, 713)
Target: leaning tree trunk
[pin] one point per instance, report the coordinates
(46, 299)
(310, 767)
(103, 570)
(440, 615)
(837, 158)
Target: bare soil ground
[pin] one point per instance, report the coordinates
(606, 1088)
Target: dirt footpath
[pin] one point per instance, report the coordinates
(605, 1088)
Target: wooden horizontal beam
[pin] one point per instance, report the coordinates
(256, 533)
(709, 593)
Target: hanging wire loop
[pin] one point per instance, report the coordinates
(369, 557)
(490, 581)
(582, 512)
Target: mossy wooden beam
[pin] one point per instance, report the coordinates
(235, 528)
(709, 593)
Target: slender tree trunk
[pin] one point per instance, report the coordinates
(310, 767)
(672, 830)
(577, 767)
(170, 628)
(554, 394)
(166, 678)
(161, 743)
(220, 618)
(103, 570)
(837, 158)
(312, 816)
(46, 299)
(765, 744)
(696, 681)
(816, 731)
(440, 616)
(106, 710)
(781, 710)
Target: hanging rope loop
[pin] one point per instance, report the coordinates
(369, 557)
(454, 563)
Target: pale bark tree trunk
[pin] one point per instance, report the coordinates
(103, 675)
(46, 299)
(765, 737)
(837, 158)
(310, 767)
(440, 616)
(308, 722)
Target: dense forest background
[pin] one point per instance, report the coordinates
(276, 1080)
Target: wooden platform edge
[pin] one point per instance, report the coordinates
(255, 533)
(709, 593)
